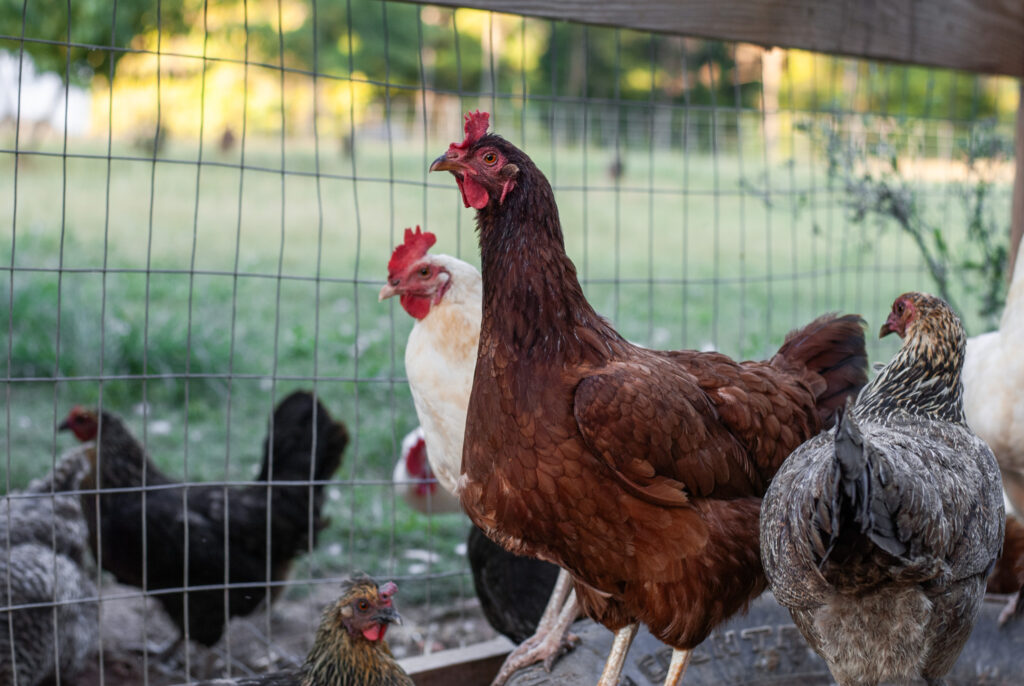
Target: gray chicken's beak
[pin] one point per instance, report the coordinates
(388, 615)
(64, 426)
(388, 291)
(442, 163)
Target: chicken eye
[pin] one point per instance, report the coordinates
(363, 606)
(425, 271)
(490, 157)
(899, 307)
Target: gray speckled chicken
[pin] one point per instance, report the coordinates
(879, 535)
(43, 539)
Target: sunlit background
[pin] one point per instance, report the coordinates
(198, 202)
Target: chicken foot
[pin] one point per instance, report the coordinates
(552, 638)
(617, 656)
(1014, 608)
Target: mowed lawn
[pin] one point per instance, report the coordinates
(193, 296)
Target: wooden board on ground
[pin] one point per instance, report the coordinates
(764, 648)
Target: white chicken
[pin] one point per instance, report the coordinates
(993, 378)
(444, 295)
(415, 479)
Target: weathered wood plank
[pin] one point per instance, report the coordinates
(475, 664)
(975, 35)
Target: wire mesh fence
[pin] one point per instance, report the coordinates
(199, 214)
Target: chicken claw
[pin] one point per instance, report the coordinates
(1014, 608)
(552, 638)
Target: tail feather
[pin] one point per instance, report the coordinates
(855, 498)
(832, 354)
(291, 440)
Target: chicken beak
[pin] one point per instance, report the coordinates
(64, 426)
(388, 615)
(892, 325)
(443, 163)
(388, 291)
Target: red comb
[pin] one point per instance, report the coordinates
(387, 590)
(415, 246)
(476, 127)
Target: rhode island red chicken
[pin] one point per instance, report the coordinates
(639, 471)
(879, 536)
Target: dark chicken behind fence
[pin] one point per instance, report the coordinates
(304, 443)
(639, 471)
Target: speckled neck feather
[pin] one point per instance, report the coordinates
(923, 378)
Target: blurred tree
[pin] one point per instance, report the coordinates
(869, 170)
(90, 30)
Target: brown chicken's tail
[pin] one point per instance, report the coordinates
(830, 354)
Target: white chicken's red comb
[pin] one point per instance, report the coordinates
(415, 246)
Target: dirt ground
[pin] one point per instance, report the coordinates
(255, 644)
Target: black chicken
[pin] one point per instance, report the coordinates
(513, 590)
(878, 536)
(230, 523)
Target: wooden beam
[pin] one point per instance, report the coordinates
(975, 35)
(475, 664)
(1017, 213)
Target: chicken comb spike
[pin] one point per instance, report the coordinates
(415, 246)
(476, 127)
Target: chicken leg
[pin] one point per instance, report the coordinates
(617, 656)
(677, 667)
(552, 637)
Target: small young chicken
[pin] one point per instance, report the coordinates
(879, 536)
(349, 648)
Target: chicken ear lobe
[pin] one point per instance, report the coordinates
(510, 172)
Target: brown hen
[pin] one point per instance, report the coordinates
(639, 471)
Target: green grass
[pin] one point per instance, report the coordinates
(711, 267)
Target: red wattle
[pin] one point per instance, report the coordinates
(417, 306)
(373, 632)
(473, 194)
